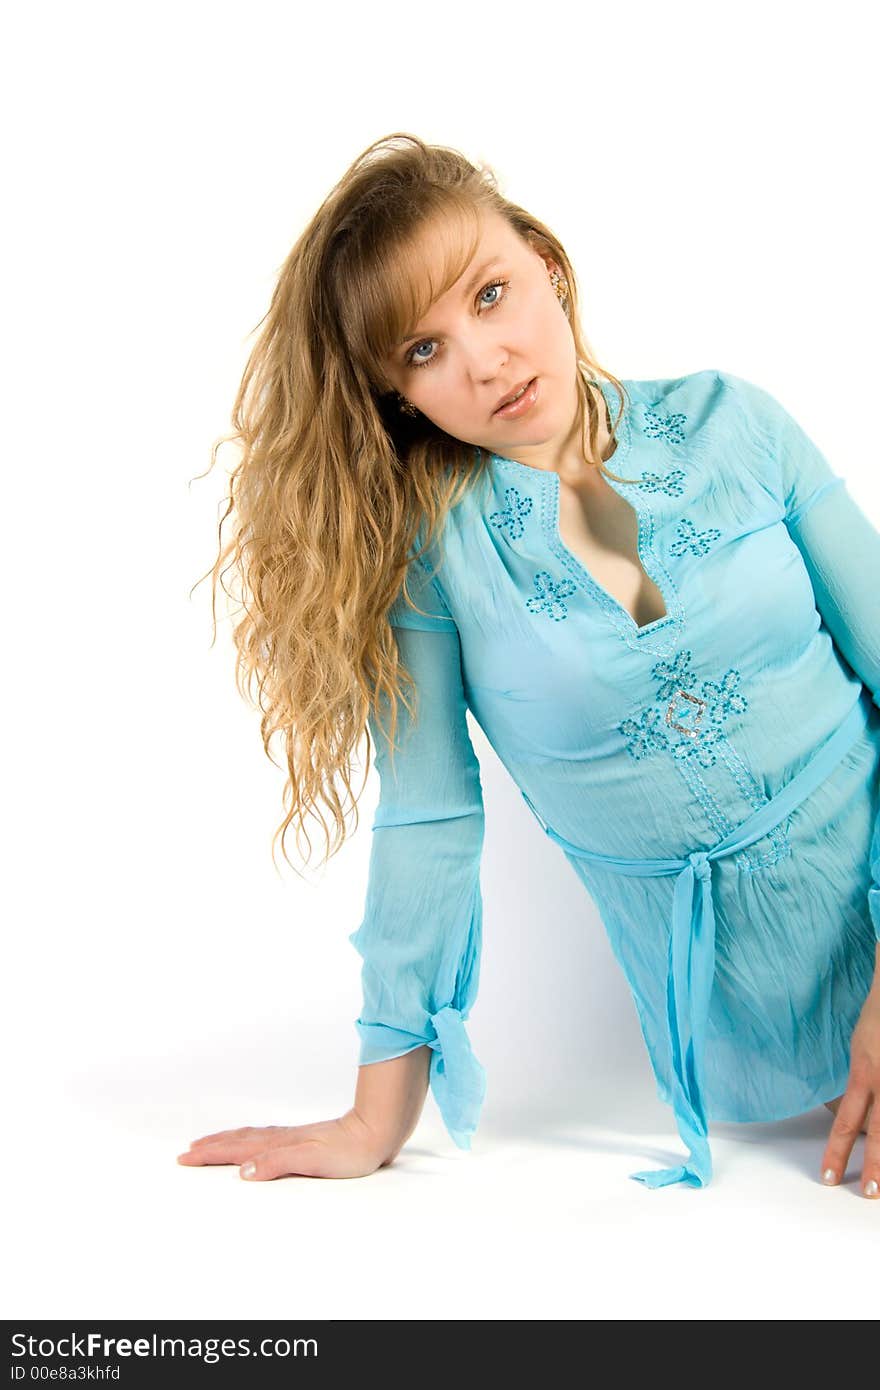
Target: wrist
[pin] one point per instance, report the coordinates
(389, 1098)
(374, 1138)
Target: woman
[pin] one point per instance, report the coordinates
(677, 658)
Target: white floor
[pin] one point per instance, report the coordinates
(539, 1220)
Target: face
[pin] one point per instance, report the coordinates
(499, 325)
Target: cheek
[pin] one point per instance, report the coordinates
(542, 335)
(557, 332)
(441, 396)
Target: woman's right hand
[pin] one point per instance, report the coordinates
(342, 1148)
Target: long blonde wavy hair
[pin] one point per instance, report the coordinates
(335, 486)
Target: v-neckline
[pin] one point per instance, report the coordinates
(548, 480)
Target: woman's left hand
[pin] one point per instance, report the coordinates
(859, 1103)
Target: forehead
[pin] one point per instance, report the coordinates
(454, 243)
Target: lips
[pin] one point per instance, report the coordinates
(509, 397)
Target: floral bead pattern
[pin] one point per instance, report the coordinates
(550, 594)
(689, 538)
(724, 696)
(672, 484)
(516, 509)
(673, 673)
(664, 426)
(698, 718)
(645, 734)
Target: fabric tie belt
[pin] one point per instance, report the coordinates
(691, 960)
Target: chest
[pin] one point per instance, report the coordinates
(601, 530)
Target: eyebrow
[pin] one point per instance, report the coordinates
(471, 285)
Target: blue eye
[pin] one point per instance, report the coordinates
(411, 360)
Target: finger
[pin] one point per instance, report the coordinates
(230, 1134)
(847, 1125)
(306, 1159)
(236, 1146)
(871, 1166)
(221, 1151)
(231, 1150)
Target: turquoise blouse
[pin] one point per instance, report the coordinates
(711, 776)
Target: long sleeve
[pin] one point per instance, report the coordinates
(421, 934)
(840, 548)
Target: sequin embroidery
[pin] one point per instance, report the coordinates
(687, 721)
(672, 484)
(516, 509)
(550, 594)
(689, 538)
(664, 426)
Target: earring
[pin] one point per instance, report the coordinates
(560, 284)
(404, 406)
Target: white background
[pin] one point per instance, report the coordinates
(712, 173)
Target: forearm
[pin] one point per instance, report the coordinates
(390, 1096)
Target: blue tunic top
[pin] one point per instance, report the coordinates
(713, 776)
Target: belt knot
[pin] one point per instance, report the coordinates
(700, 864)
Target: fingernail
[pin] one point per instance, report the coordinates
(871, 1188)
(829, 1175)
(248, 1170)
